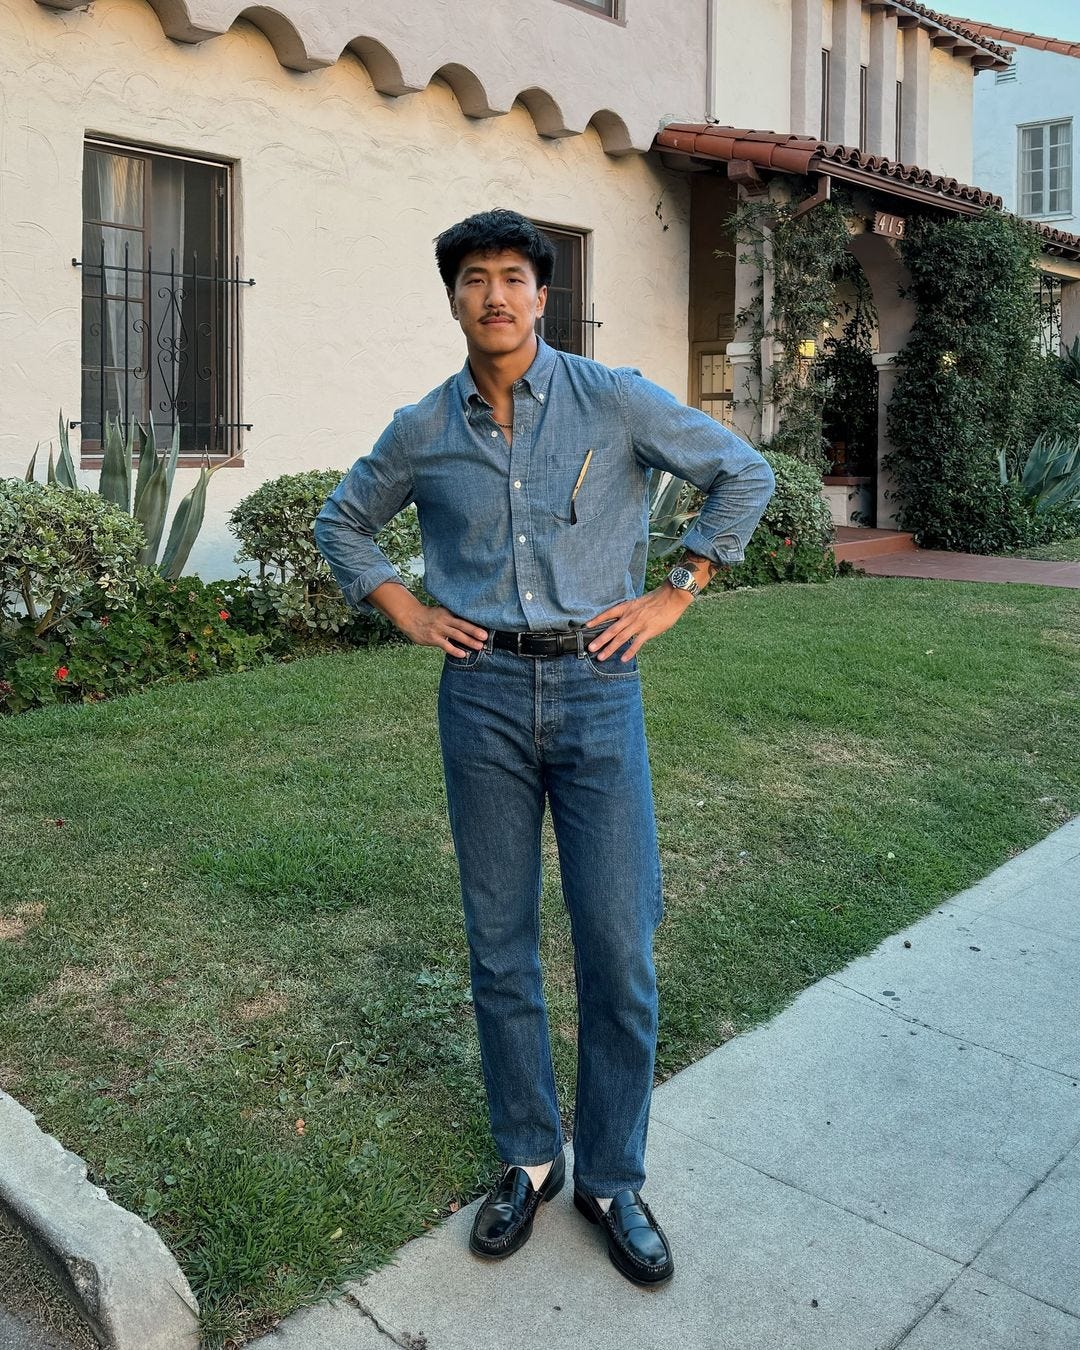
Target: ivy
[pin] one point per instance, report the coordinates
(971, 384)
(807, 257)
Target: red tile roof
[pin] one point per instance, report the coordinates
(1018, 38)
(964, 27)
(803, 155)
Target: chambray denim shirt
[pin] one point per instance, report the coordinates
(502, 546)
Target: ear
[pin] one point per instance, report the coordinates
(541, 300)
(453, 302)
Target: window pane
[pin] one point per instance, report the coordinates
(120, 340)
(562, 324)
(113, 187)
(123, 274)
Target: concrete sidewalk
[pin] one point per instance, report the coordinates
(893, 1161)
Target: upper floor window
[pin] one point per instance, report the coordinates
(159, 328)
(563, 325)
(864, 106)
(826, 90)
(1046, 169)
(612, 8)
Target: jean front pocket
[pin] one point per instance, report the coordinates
(612, 667)
(469, 662)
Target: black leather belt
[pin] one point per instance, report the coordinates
(543, 644)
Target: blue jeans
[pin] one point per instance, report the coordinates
(517, 730)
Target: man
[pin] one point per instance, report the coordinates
(529, 470)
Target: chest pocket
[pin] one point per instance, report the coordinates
(594, 487)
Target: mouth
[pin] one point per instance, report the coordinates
(497, 319)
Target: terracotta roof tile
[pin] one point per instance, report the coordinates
(963, 27)
(803, 154)
(1019, 38)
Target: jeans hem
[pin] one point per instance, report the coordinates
(532, 1162)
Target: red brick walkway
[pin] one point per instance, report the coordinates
(971, 567)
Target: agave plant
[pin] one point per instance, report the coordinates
(153, 488)
(1051, 475)
(672, 507)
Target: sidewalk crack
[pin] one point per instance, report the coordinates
(407, 1340)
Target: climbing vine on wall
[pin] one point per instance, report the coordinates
(804, 256)
(970, 383)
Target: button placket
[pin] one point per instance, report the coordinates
(520, 517)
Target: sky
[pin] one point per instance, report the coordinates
(1051, 18)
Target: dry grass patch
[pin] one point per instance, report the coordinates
(850, 751)
(16, 925)
(261, 1006)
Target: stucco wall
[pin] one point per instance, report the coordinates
(752, 52)
(1047, 87)
(951, 115)
(339, 191)
(571, 64)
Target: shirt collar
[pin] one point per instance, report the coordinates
(536, 379)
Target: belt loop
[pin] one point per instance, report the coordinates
(489, 645)
(580, 635)
(519, 636)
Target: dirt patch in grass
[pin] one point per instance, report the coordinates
(16, 925)
(263, 1005)
(851, 751)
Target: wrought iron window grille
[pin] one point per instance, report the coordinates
(185, 357)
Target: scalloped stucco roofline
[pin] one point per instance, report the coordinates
(403, 58)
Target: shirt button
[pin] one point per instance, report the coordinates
(528, 595)
(517, 482)
(521, 538)
(540, 398)
(494, 435)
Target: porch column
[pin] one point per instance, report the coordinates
(885, 363)
(881, 93)
(806, 44)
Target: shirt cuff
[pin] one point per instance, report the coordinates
(726, 549)
(368, 580)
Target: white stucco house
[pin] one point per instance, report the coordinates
(221, 216)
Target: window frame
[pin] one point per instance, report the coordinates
(826, 92)
(1044, 124)
(864, 107)
(614, 11)
(229, 373)
(899, 147)
(584, 323)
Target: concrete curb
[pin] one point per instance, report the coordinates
(119, 1274)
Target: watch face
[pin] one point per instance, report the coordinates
(681, 578)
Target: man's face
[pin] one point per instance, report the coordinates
(497, 301)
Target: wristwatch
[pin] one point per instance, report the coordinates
(683, 580)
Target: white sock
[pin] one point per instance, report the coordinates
(605, 1205)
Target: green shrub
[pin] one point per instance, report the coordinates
(295, 587)
(790, 544)
(63, 555)
(172, 631)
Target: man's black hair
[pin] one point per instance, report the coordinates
(494, 232)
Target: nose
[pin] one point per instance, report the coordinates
(495, 298)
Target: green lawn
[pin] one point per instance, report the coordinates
(232, 971)
(1065, 550)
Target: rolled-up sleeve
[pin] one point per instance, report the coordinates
(371, 494)
(736, 479)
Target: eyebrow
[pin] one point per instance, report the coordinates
(479, 269)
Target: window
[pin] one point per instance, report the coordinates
(1046, 169)
(864, 110)
(826, 63)
(159, 325)
(899, 119)
(612, 8)
(715, 386)
(563, 324)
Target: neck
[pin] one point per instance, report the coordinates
(496, 375)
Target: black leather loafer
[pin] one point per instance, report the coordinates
(505, 1219)
(635, 1241)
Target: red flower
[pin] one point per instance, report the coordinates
(223, 613)
(104, 621)
(61, 672)
(787, 543)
